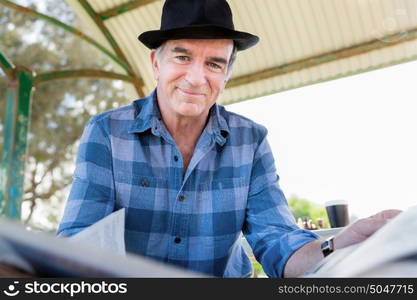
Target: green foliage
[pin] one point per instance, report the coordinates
(258, 270)
(60, 109)
(303, 208)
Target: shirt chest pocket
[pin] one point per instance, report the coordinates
(226, 200)
(141, 192)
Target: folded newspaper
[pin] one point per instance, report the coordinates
(389, 252)
(108, 233)
(97, 251)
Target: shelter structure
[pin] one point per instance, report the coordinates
(302, 42)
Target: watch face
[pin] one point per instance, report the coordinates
(327, 247)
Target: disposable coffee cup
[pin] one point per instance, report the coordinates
(337, 212)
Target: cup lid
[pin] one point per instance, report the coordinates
(335, 202)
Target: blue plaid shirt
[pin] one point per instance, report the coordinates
(127, 158)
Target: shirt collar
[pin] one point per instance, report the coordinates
(147, 113)
(219, 126)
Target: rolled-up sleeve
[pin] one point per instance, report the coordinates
(270, 227)
(92, 194)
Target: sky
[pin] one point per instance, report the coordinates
(352, 138)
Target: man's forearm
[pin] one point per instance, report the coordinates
(304, 259)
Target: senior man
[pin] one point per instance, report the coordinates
(191, 175)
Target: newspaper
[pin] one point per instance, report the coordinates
(391, 251)
(99, 251)
(108, 233)
(91, 256)
(9, 257)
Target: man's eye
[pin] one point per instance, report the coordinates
(214, 66)
(182, 58)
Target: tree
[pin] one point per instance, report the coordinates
(60, 109)
(303, 208)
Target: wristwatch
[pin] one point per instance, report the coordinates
(327, 247)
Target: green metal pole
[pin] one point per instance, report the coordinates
(6, 65)
(16, 128)
(91, 73)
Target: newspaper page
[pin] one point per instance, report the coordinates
(108, 233)
(46, 255)
(393, 246)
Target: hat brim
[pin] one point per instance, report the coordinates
(154, 38)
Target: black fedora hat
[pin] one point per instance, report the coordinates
(197, 19)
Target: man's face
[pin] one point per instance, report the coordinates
(190, 75)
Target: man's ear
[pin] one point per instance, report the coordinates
(155, 64)
(227, 78)
(228, 75)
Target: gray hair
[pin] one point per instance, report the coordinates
(158, 51)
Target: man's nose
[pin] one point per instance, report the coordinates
(196, 74)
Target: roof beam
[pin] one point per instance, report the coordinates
(123, 8)
(388, 41)
(138, 82)
(92, 73)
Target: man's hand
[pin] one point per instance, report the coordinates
(310, 254)
(363, 228)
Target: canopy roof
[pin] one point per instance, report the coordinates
(302, 41)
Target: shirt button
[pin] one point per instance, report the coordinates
(181, 198)
(144, 183)
(177, 240)
(176, 158)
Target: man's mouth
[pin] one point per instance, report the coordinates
(190, 92)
